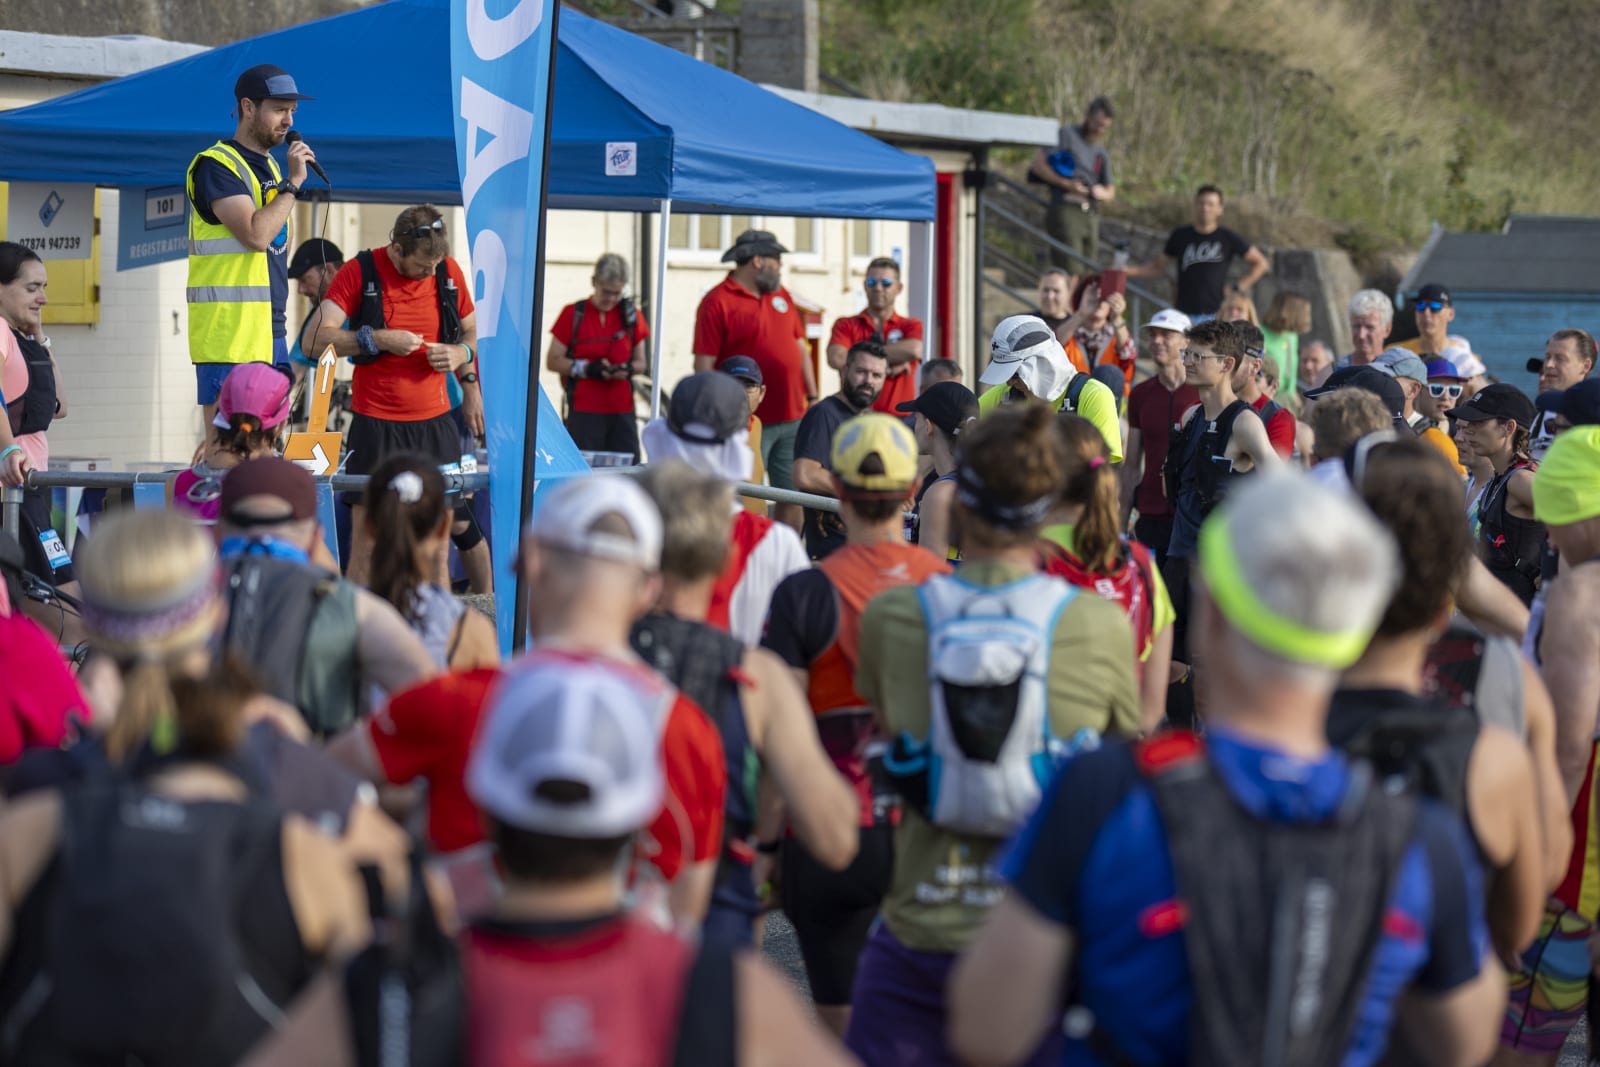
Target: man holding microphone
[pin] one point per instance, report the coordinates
(239, 234)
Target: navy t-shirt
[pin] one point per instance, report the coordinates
(1093, 858)
(213, 181)
(1203, 260)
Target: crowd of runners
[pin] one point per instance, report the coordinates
(1224, 704)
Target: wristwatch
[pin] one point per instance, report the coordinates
(469, 378)
(290, 188)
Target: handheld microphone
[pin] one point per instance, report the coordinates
(295, 138)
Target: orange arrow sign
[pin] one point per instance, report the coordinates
(321, 390)
(316, 452)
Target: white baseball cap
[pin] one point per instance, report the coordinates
(1024, 346)
(1169, 319)
(569, 719)
(1459, 351)
(568, 512)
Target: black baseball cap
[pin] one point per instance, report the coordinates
(743, 368)
(752, 243)
(1433, 291)
(708, 408)
(948, 405)
(314, 253)
(1498, 401)
(267, 82)
(1580, 405)
(1371, 380)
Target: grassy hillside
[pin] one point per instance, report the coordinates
(1358, 121)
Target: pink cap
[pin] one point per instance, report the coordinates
(258, 389)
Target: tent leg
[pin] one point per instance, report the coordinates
(930, 327)
(660, 310)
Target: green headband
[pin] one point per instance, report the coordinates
(1238, 603)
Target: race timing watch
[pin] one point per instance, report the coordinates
(469, 378)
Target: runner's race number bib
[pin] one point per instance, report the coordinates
(54, 550)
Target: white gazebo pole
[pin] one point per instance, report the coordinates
(660, 309)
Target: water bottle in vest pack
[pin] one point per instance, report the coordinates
(989, 751)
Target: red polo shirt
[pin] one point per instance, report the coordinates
(733, 321)
(858, 328)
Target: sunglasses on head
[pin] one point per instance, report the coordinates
(1429, 305)
(878, 283)
(1451, 391)
(436, 226)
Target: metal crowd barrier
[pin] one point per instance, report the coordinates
(150, 490)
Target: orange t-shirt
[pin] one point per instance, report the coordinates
(858, 328)
(400, 388)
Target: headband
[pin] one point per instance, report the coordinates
(1266, 627)
(975, 496)
(126, 626)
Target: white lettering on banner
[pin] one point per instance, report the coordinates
(493, 37)
(488, 280)
(510, 130)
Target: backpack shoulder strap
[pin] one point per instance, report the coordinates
(449, 310)
(577, 323)
(328, 676)
(1229, 416)
(370, 312)
(1075, 389)
(707, 1035)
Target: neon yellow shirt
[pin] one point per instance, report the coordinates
(1095, 403)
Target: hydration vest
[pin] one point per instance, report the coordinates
(1130, 586)
(1513, 546)
(370, 313)
(35, 409)
(294, 626)
(1197, 472)
(703, 662)
(990, 750)
(1466, 669)
(147, 933)
(1281, 921)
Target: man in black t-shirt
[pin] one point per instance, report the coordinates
(1203, 252)
(866, 366)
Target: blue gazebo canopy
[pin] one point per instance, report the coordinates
(708, 140)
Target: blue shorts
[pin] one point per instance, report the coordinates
(208, 377)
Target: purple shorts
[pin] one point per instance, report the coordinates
(897, 1012)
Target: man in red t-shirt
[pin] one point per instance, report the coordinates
(900, 335)
(591, 562)
(1154, 408)
(751, 314)
(398, 321)
(597, 346)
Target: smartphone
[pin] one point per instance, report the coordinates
(1113, 281)
(52, 205)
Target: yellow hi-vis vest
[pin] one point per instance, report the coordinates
(230, 287)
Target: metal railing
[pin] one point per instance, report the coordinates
(1010, 217)
(150, 489)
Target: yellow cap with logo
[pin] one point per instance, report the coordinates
(874, 453)
(1566, 487)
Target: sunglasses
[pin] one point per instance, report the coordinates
(436, 226)
(1451, 391)
(878, 283)
(1429, 305)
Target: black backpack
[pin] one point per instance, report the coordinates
(630, 319)
(370, 313)
(1283, 920)
(143, 960)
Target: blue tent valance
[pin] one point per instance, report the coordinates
(708, 140)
